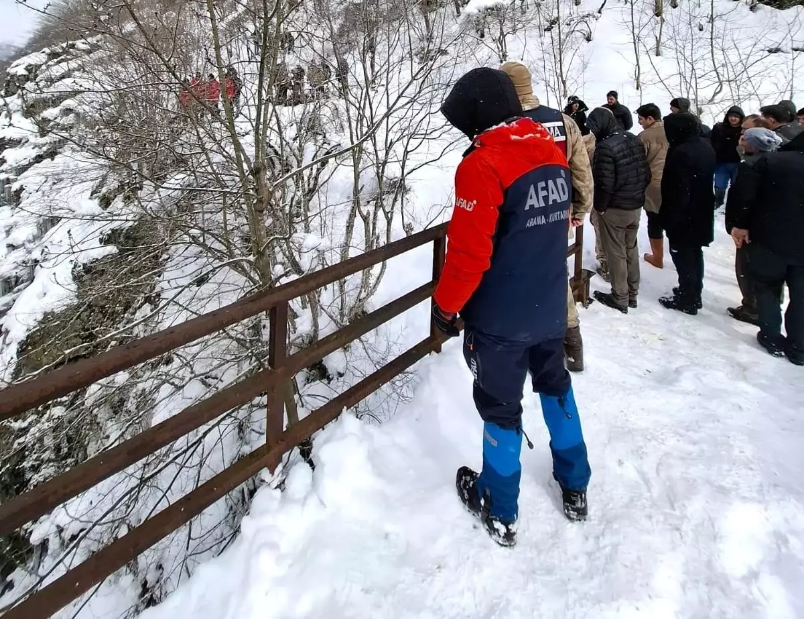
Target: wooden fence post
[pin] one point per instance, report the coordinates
(439, 255)
(275, 395)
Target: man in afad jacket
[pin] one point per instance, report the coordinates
(567, 137)
(506, 275)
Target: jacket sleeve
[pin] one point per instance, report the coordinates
(603, 178)
(478, 197)
(628, 123)
(581, 174)
(676, 189)
(742, 196)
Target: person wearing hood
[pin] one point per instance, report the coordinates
(619, 111)
(681, 105)
(576, 109)
(621, 175)
(767, 216)
(568, 138)
(777, 118)
(505, 275)
(654, 142)
(724, 140)
(687, 207)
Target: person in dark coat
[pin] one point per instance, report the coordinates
(777, 118)
(620, 175)
(767, 215)
(687, 207)
(576, 109)
(725, 140)
(506, 275)
(799, 117)
(681, 105)
(619, 111)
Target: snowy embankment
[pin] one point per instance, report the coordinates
(696, 443)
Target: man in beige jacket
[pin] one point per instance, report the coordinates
(654, 141)
(568, 138)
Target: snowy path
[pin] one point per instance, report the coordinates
(696, 445)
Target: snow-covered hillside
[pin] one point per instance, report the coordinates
(121, 214)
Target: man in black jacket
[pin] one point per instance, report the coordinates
(620, 174)
(687, 207)
(681, 105)
(619, 111)
(768, 216)
(725, 140)
(576, 109)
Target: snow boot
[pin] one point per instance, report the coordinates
(656, 258)
(633, 302)
(603, 271)
(794, 355)
(607, 300)
(679, 303)
(774, 347)
(719, 199)
(574, 503)
(574, 350)
(466, 482)
(676, 292)
(742, 313)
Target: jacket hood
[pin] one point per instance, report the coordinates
(602, 123)
(573, 99)
(481, 99)
(733, 110)
(680, 127)
(681, 103)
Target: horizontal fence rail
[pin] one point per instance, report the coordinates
(33, 393)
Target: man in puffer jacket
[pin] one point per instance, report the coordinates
(725, 141)
(567, 137)
(621, 174)
(506, 275)
(686, 211)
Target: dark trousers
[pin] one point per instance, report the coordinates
(653, 227)
(690, 271)
(745, 280)
(500, 371)
(770, 271)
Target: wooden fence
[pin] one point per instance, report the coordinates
(45, 497)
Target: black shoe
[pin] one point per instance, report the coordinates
(466, 484)
(676, 292)
(607, 300)
(575, 504)
(741, 313)
(678, 303)
(795, 356)
(574, 350)
(633, 303)
(604, 272)
(774, 347)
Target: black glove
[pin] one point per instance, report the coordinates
(445, 322)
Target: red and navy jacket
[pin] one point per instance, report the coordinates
(506, 263)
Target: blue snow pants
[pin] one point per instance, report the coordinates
(500, 370)
(725, 175)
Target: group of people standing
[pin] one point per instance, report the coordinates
(199, 90)
(529, 177)
(680, 172)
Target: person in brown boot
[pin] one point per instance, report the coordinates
(654, 141)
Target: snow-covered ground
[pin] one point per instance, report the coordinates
(695, 438)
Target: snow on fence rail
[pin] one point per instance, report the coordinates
(44, 498)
